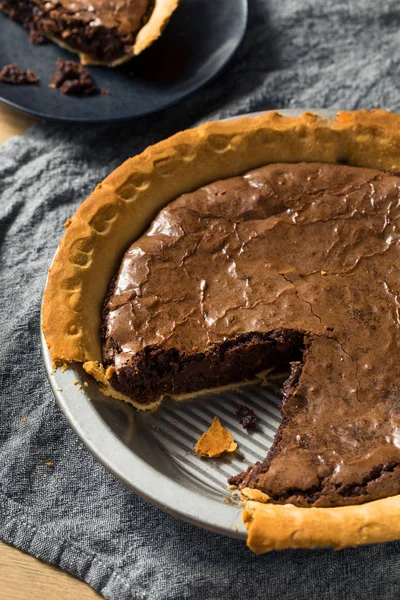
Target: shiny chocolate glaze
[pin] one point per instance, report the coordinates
(290, 262)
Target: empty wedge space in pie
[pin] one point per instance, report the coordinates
(236, 247)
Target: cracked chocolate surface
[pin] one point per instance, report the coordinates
(290, 262)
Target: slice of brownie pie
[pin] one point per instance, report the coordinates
(237, 247)
(101, 31)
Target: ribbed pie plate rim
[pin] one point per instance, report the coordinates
(149, 483)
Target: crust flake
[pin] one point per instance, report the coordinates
(215, 441)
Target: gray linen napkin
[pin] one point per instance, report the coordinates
(75, 514)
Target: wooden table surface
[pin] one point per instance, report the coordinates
(23, 577)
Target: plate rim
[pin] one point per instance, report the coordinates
(174, 498)
(185, 96)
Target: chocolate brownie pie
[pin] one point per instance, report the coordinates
(237, 247)
(100, 31)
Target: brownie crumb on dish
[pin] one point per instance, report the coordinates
(237, 480)
(73, 79)
(36, 38)
(13, 74)
(246, 417)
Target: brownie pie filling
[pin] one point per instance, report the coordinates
(290, 265)
(102, 29)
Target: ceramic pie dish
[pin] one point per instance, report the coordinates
(331, 477)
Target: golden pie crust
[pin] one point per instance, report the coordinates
(122, 207)
(277, 527)
(154, 27)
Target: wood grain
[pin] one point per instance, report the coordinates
(13, 122)
(23, 577)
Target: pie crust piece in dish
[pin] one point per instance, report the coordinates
(121, 208)
(215, 441)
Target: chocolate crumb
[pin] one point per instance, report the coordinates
(36, 38)
(13, 74)
(246, 416)
(73, 79)
(104, 91)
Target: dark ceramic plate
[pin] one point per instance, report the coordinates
(200, 39)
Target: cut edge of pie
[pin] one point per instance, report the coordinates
(103, 376)
(120, 209)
